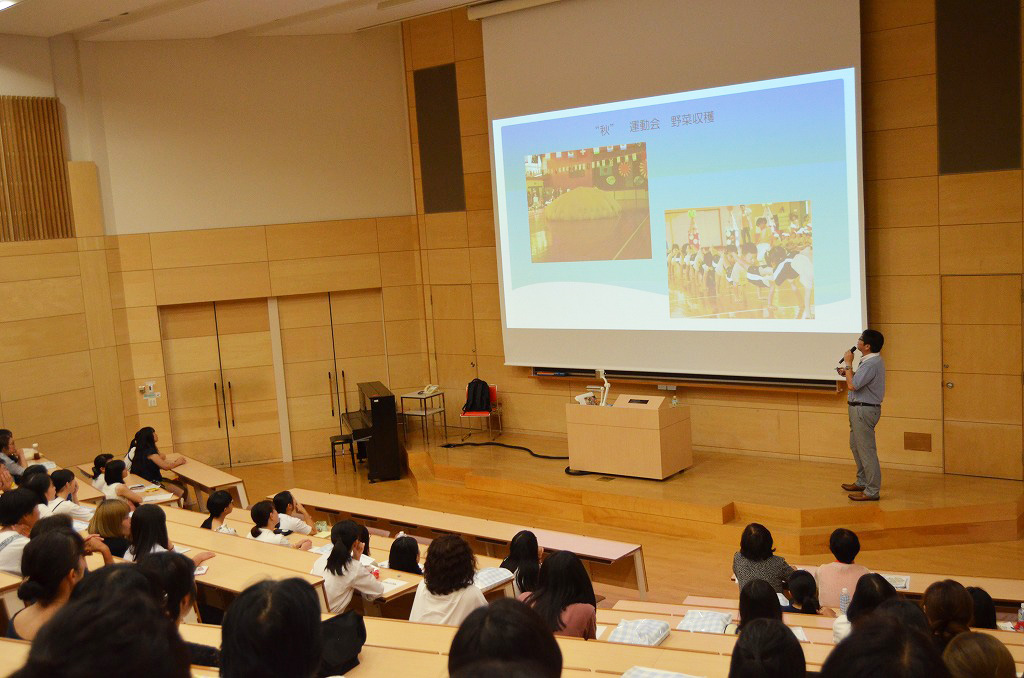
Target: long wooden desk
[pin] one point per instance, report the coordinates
(89, 494)
(609, 561)
(207, 479)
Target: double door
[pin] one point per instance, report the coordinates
(221, 389)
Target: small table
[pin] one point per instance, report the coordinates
(426, 408)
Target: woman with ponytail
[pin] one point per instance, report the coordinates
(149, 535)
(146, 461)
(767, 649)
(949, 608)
(219, 506)
(99, 465)
(265, 519)
(52, 564)
(802, 591)
(524, 561)
(341, 569)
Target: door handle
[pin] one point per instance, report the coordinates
(216, 403)
(231, 404)
(949, 384)
(330, 391)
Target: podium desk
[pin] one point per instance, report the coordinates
(640, 436)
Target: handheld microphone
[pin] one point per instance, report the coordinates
(843, 359)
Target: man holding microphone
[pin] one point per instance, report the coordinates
(866, 390)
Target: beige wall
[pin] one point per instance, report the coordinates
(25, 68)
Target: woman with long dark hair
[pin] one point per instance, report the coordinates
(872, 590)
(52, 564)
(147, 461)
(219, 506)
(802, 590)
(149, 535)
(524, 561)
(341, 570)
(949, 608)
(564, 597)
(114, 475)
(405, 555)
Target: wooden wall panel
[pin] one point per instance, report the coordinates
(356, 306)
(403, 303)
(306, 276)
(912, 348)
(903, 251)
(51, 413)
(189, 249)
(903, 299)
(1001, 457)
(321, 239)
(397, 234)
(993, 248)
(44, 376)
(37, 266)
(400, 268)
(43, 336)
(899, 153)
(895, 203)
(309, 310)
(19, 300)
(898, 52)
(905, 102)
(205, 283)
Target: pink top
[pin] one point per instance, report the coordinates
(834, 577)
(579, 620)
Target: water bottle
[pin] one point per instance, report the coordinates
(844, 601)
(1020, 613)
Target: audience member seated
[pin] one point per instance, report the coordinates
(52, 564)
(293, 516)
(147, 461)
(871, 590)
(405, 555)
(174, 577)
(447, 594)
(564, 597)
(802, 591)
(504, 631)
(112, 522)
(883, 647)
(149, 535)
(756, 559)
(364, 536)
(341, 570)
(115, 581)
(108, 635)
(978, 655)
(62, 521)
(265, 519)
(65, 487)
(984, 608)
(99, 465)
(767, 648)
(19, 511)
(841, 574)
(523, 561)
(219, 506)
(272, 630)
(40, 485)
(905, 612)
(6, 479)
(949, 608)
(114, 476)
(11, 457)
(758, 600)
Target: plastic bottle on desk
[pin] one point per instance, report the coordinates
(1020, 613)
(844, 600)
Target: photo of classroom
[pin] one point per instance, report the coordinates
(589, 204)
(741, 261)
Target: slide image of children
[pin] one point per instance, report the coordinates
(741, 261)
(589, 204)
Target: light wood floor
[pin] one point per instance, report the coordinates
(677, 567)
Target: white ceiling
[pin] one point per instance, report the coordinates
(182, 19)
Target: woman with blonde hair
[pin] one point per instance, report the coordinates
(978, 655)
(113, 524)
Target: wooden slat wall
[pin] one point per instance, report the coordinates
(34, 200)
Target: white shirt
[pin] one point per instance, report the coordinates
(293, 524)
(451, 609)
(841, 628)
(11, 546)
(110, 491)
(44, 510)
(129, 556)
(269, 537)
(100, 483)
(339, 587)
(61, 505)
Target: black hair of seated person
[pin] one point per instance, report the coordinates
(46, 562)
(984, 608)
(905, 612)
(271, 630)
(872, 589)
(767, 648)
(498, 668)
(38, 484)
(115, 581)
(112, 636)
(756, 542)
(505, 630)
(216, 504)
(758, 600)
(844, 545)
(15, 505)
(175, 576)
(52, 523)
(31, 470)
(884, 647)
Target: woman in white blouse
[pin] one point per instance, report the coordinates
(219, 506)
(342, 572)
(265, 519)
(114, 476)
(447, 594)
(65, 487)
(149, 535)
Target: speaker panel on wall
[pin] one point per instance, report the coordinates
(437, 120)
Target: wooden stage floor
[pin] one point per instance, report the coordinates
(690, 524)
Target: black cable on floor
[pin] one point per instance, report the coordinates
(570, 472)
(511, 447)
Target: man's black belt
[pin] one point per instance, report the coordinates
(853, 404)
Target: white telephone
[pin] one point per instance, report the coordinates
(429, 389)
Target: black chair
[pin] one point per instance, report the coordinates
(342, 440)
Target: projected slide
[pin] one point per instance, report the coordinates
(751, 189)
(723, 262)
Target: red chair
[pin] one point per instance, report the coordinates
(495, 411)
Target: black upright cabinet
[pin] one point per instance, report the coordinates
(377, 419)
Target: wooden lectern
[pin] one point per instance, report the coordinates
(640, 436)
